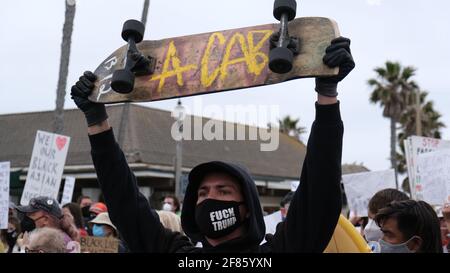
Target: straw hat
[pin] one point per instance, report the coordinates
(103, 219)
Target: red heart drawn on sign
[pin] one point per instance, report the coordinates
(61, 142)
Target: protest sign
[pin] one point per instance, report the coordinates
(69, 186)
(92, 244)
(415, 146)
(46, 166)
(360, 187)
(4, 194)
(434, 177)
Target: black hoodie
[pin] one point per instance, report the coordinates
(255, 224)
(311, 220)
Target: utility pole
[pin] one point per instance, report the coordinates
(126, 106)
(145, 12)
(418, 114)
(179, 115)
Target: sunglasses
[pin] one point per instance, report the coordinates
(37, 219)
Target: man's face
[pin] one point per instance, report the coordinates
(40, 218)
(393, 235)
(222, 187)
(85, 202)
(219, 187)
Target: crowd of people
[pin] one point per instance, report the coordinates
(44, 226)
(221, 211)
(395, 224)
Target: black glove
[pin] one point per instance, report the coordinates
(337, 54)
(94, 112)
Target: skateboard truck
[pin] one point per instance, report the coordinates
(282, 46)
(135, 63)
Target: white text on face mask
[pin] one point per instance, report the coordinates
(222, 219)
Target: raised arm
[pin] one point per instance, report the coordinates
(129, 210)
(315, 208)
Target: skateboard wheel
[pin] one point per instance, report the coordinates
(284, 6)
(280, 60)
(133, 29)
(122, 81)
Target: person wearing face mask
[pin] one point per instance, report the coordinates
(103, 227)
(381, 199)
(46, 212)
(409, 226)
(85, 203)
(171, 203)
(221, 207)
(8, 237)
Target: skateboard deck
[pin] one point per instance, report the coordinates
(218, 61)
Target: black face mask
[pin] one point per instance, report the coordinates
(85, 211)
(27, 224)
(217, 218)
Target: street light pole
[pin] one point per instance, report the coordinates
(418, 114)
(179, 112)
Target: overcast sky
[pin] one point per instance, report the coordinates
(413, 32)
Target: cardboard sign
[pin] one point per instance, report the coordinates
(90, 244)
(416, 146)
(46, 166)
(433, 177)
(69, 186)
(360, 187)
(4, 194)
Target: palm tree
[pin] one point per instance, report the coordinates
(431, 127)
(429, 119)
(392, 89)
(64, 66)
(290, 127)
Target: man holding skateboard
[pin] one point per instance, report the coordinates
(221, 208)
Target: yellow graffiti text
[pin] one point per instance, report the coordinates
(252, 55)
(177, 68)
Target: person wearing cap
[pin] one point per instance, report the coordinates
(46, 212)
(97, 208)
(103, 227)
(221, 207)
